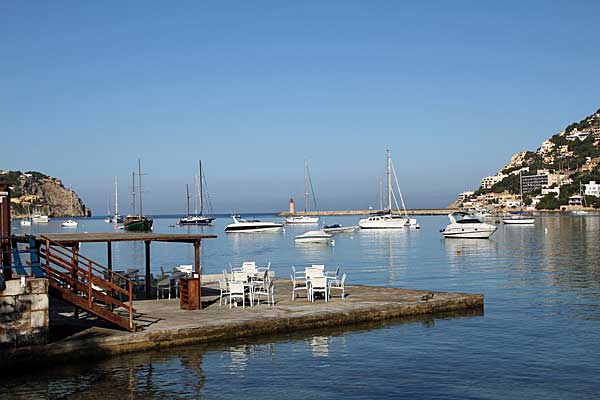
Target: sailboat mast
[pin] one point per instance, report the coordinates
(521, 189)
(305, 187)
(140, 179)
(380, 195)
(133, 194)
(116, 197)
(389, 178)
(200, 183)
(187, 191)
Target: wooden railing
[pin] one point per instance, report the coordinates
(87, 284)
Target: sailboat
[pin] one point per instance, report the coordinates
(27, 220)
(386, 219)
(137, 222)
(303, 219)
(519, 218)
(581, 211)
(116, 218)
(197, 218)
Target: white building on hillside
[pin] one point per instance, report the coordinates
(592, 189)
(490, 181)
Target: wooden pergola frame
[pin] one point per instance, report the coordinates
(73, 240)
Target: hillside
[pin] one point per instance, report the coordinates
(557, 170)
(33, 190)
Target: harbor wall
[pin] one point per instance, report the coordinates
(24, 314)
(414, 211)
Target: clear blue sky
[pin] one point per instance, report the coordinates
(255, 87)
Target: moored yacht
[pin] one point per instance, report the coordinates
(303, 219)
(319, 236)
(69, 224)
(38, 218)
(337, 228)
(251, 225)
(197, 218)
(465, 226)
(518, 220)
(384, 220)
(387, 219)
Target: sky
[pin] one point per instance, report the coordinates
(453, 89)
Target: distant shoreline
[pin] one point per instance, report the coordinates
(414, 211)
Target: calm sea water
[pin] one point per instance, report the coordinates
(538, 337)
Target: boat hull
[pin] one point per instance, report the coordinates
(470, 234)
(302, 220)
(252, 229)
(139, 225)
(341, 229)
(523, 221)
(196, 221)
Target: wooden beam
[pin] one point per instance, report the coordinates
(109, 256)
(198, 271)
(148, 274)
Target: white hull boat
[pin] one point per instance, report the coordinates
(387, 219)
(468, 227)
(251, 226)
(40, 219)
(384, 221)
(579, 212)
(25, 222)
(69, 224)
(302, 220)
(337, 228)
(518, 221)
(319, 236)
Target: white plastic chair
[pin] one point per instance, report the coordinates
(236, 291)
(338, 284)
(240, 276)
(318, 284)
(298, 283)
(267, 290)
(223, 289)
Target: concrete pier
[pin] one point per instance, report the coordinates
(165, 324)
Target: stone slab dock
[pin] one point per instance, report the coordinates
(166, 325)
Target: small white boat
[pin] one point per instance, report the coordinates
(107, 220)
(241, 225)
(319, 236)
(302, 220)
(337, 228)
(69, 224)
(25, 222)
(518, 220)
(38, 218)
(465, 226)
(579, 212)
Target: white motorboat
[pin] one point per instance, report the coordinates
(465, 226)
(387, 219)
(304, 219)
(38, 218)
(69, 224)
(25, 222)
(337, 228)
(241, 225)
(518, 220)
(319, 236)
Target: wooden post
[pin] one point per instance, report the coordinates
(148, 286)
(5, 232)
(198, 270)
(75, 275)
